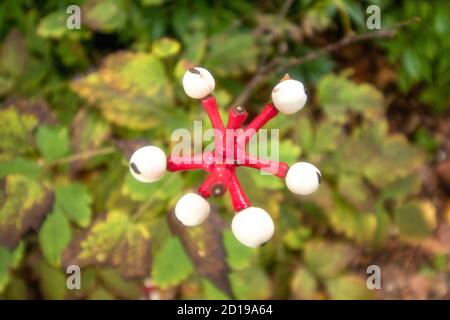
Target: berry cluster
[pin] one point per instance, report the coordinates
(251, 226)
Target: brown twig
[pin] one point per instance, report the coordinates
(81, 156)
(279, 64)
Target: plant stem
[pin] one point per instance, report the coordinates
(278, 64)
(81, 156)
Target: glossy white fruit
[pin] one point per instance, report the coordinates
(148, 164)
(252, 227)
(303, 178)
(289, 96)
(198, 83)
(192, 209)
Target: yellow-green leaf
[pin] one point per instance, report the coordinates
(130, 90)
(26, 203)
(338, 95)
(416, 219)
(166, 47)
(327, 259)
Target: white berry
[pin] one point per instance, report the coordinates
(198, 83)
(303, 178)
(192, 209)
(289, 96)
(252, 227)
(148, 164)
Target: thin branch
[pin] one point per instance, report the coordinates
(279, 64)
(81, 156)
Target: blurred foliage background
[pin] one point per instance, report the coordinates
(76, 103)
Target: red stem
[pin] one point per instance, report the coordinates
(257, 123)
(278, 169)
(238, 197)
(236, 117)
(210, 105)
(218, 178)
(198, 161)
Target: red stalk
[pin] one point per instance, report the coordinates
(236, 117)
(238, 196)
(278, 169)
(266, 114)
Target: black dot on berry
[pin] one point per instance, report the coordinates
(193, 70)
(319, 177)
(134, 168)
(306, 91)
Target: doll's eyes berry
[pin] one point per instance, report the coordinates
(289, 96)
(192, 209)
(303, 178)
(198, 83)
(251, 226)
(148, 164)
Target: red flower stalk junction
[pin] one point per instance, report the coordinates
(251, 226)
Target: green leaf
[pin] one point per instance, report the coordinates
(20, 166)
(89, 131)
(130, 90)
(97, 243)
(9, 260)
(326, 259)
(53, 25)
(74, 201)
(166, 189)
(25, 206)
(303, 284)
(115, 240)
(118, 286)
(166, 47)
(238, 256)
(53, 142)
(232, 54)
(412, 64)
(295, 239)
(54, 236)
(132, 254)
(171, 265)
(105, 15)
(289, 152)
(348, 287)
(378, 154)
(338, 95)
(16, 132)
(205, 248)
(13, 55)
(360, 226)
(212, 292)
(415, 219)
(52, 281)
(251, 284)
(328, 137)
(5, 257)
(305, 134)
